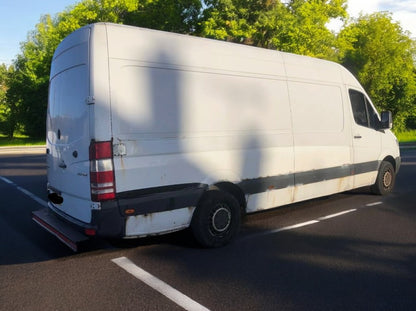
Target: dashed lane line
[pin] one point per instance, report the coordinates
(158, 285)
(308, 223)
(374, 204)
(26, 192)
(337, 214)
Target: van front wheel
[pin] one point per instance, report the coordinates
(216, 220)
(385, 179)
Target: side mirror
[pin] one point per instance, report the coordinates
(386, 122)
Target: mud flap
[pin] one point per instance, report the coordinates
(62, 230)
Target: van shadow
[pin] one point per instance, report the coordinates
(295, 270)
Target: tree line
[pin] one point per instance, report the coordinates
(373, 47)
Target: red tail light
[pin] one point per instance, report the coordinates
(102, 171)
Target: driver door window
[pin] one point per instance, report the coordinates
(364, 113)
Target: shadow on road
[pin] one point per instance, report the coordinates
(294, 270)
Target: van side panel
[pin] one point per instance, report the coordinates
(322, 148)
(188, 110)
(321, 141)
(184, 117)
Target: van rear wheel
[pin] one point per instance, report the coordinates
(216, 220)
(385, 179)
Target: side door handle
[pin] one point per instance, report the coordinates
(357, 136)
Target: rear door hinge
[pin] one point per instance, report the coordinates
(90, 100)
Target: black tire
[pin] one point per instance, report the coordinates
(216, 220)
(385, 179)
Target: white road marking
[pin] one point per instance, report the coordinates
(374, 204)
(302, 224)
(28, 193)
(337, 214)
(157, 284)
(6, 180)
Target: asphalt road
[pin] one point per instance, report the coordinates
(350, 251)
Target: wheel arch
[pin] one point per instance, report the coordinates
(392, 161)
(235, 191)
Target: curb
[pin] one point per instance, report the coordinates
(407, 146)
(23, 149)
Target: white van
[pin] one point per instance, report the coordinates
(149, 132)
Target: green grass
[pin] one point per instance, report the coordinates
(407, 136)
(21, 140)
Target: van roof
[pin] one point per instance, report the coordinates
(179, 50)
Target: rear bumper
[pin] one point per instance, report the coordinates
(110, 220)
(106, 222)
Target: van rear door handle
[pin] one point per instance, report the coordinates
(357, 136)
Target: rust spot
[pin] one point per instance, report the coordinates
(148, 217)
(340, 183)
(295, 193)
(123, 169)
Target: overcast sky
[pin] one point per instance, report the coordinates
(404, 11)
(18, 17)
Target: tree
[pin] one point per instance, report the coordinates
(381, 55)
(28, 85)
(231, 20)
(308, 33)
(3, 90)
(8, 115)
(92, 11)
(374, 48)
(296, 26)
(180, 16)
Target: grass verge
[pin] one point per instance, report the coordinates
(21, 141)
(407, 136)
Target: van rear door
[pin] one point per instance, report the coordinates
(68, 135)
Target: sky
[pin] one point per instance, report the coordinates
(18, 17)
